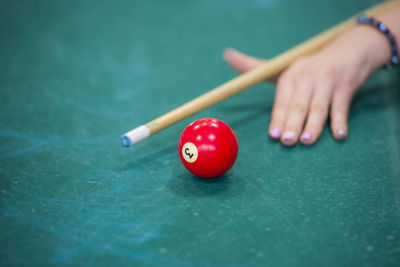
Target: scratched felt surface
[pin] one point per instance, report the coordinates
(75, 75)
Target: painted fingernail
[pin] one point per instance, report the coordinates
(306, 136)
(341, 133)
(275, 132)
(288, 136)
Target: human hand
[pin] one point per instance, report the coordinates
(319, 85)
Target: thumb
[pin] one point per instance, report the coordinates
(241, 62)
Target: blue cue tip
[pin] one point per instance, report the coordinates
(125, 141)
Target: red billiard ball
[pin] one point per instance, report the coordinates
(208, 147)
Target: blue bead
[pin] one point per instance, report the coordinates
(395, 60)
(363, 19)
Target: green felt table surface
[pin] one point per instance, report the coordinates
(76, 75)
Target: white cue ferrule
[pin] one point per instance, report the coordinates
(135, 136)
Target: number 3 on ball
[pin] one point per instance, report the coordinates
(189, 152)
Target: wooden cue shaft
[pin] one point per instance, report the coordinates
(251, 78)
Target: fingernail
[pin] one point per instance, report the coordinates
(228, 51)
(341, 133)
(288, 136)
(275, 132)
(306, 136)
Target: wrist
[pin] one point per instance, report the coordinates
(381, 27)
(375, 46)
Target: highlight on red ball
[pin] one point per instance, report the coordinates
(208, 147)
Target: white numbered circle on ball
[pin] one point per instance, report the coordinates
(189, 152)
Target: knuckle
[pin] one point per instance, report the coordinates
(298, 69)
(345, 84)
(279, 111)
(301, 63)
(340, 107)
(299, 108)
(302, 74)
(315, 127)
(328, 72)
(338, 118)
(279, 108)
(275, 123)
(284, 80)
(319, 109)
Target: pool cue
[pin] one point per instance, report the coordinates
(247, 79)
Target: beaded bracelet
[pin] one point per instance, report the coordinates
(382, 28)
